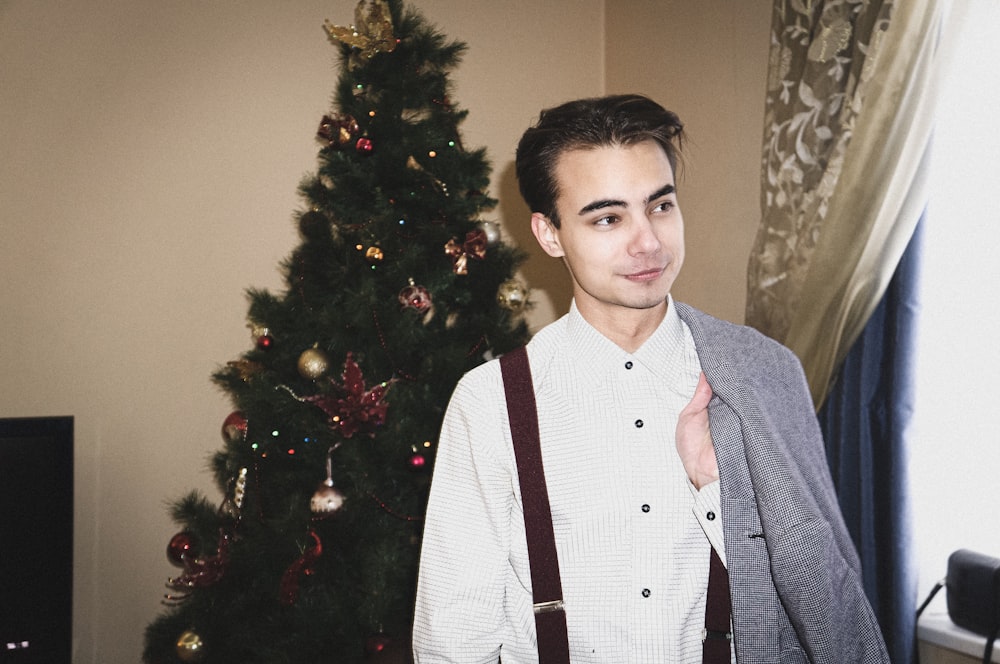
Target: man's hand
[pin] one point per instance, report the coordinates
(694, 438)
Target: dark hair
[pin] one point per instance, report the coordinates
(617, 120)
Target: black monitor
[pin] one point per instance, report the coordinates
(36, 540)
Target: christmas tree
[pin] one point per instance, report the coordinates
(398, 287)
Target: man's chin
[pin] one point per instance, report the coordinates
(649, 302)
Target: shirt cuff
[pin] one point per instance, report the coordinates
(708, 510)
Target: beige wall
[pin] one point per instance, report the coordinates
(707, 61)
(149, 156)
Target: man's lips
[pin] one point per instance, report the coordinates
(645, 275)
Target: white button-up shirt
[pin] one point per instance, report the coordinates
(632, 534)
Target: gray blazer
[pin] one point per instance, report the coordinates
(794, 573)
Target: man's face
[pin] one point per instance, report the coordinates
(621, 233)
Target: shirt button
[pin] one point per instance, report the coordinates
(628, 365)
(710, 516)
(645, 592)
(638, 424)
(645, 508)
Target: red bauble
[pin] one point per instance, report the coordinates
(415, 297)
(265, 341)
(364, 146)
(181, 546)
(234, 427)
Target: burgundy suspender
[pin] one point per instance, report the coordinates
(550, 616)
(546, 587)
(716, 637)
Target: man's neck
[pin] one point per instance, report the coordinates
(626, 328)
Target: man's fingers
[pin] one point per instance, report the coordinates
(702, 395)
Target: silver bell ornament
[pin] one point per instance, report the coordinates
(328, 499)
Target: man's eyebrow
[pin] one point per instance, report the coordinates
(601, 204)
(665, 190)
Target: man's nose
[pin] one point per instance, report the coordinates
(644, 239)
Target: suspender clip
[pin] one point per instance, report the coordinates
(548, 607)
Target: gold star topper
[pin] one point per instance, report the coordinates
(371, 32)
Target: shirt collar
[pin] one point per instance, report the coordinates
(668, 353)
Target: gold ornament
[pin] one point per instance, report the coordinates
(371, 32)
(512, 295)
(374, 255)
(190, 647)
(313, 363)
(240, 488)
(232, 506)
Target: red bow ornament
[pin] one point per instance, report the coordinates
(473, 247)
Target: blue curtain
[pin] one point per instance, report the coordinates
(865, 421)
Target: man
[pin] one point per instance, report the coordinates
(665, 435)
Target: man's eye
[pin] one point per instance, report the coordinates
(605, 221)
(665, 206)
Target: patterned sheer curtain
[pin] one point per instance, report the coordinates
(847, 127)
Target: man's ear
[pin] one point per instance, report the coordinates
(546, 234)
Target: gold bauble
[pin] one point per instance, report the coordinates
(190, 647)
(313, 363)
(512, 295)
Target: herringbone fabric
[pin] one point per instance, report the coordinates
(794, 573)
